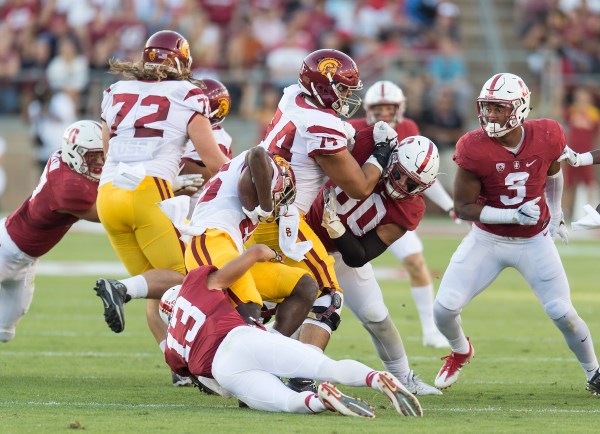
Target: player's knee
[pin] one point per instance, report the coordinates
(442, 315)
(415, 265)
(372, 313)
(306, 289)
(558, 308)
(326, 310)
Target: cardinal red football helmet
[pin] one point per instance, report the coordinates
(219, 98)
(325, 74)
(167, 48)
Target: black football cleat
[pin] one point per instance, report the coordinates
(114, 295)
(302, 385)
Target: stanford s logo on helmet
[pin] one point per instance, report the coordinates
(167, 302)
(82, 148)
(167, 48)
(384, 92)
(506, 90)
(325, 74)
(413, 167)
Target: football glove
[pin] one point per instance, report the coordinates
(331, 221)
(188, 183)
(558, 228)
(528, 214)
(575, 159)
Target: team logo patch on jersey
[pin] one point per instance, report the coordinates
(516, 164)
(500, 167)
(328, 65)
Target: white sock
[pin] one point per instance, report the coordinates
(314, 404)
(423, 297)
(398, 368)
(137, 287)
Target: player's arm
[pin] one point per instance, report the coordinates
(357, 182)
(105, 137)
(90, 214)
(576, 159)
(261, 172)
(200, 132)
(232, 271)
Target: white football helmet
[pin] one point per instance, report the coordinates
(82, 148)
(413, 167)
(167, 301)
(509, 90)
(384, 92)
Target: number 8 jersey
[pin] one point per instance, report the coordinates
(148, 124)
(507, 179)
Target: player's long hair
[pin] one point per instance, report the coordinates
(136, 71)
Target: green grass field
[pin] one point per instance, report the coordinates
(66, 370)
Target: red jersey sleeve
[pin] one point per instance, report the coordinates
(71, 191)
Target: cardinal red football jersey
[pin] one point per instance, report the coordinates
(200, 321)
(36, 227)
(509, 180)
(405, 129)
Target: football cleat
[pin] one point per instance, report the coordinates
(180, 380)
(416, 386)
(302, 385)
(113, 294)
(451, 369)
(403, 401)
(334, 400)
(593, 384)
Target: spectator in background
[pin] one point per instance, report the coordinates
(447, 21)
(69, 71)
(283, 61)
(2, 171)
(583, 133)
(9, 70)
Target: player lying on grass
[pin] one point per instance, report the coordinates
(208, 337)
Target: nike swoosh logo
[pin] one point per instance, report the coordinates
(545, 233)
(584, 339)
(530, 163)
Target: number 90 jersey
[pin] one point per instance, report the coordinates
(148, 124)
(509, 180)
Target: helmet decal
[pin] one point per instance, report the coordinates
(223, 107)
(328, 66)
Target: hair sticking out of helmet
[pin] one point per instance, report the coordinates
(167, 302)
(330, 77)
(167, 48)
(82, 148)
(503, 91)
(284, 189)
(382, 93)
(413, 167)
(218, 95)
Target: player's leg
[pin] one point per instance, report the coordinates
(16, 290)
(472, 268)
(541, 266)
(409, 250)
(363, 297)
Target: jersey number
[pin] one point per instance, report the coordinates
(182, 312)
(129, 100)
(516, 182)
(363, 218)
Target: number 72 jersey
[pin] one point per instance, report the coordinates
(509, 180)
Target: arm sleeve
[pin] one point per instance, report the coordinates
(356, 252)
(554, 189)
(439, 196)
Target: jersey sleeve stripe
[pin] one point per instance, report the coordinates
(193, 92)
(326, 151)
(317, 129)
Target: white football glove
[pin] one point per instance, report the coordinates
(558, 228)
(528, 214)
(382, 132)
(591, 219)
(257, 215)
(350, 134)
(331, 221)
(189, 183)
(575, 159)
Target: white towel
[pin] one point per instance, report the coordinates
(288, 233)
(177, 208)
(589, 221)
(129, 177)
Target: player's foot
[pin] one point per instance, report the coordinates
(416, 386)
(434, 339)
(593, 384)
(404, 402)
(452, 366)
(334, 400)
(180, 380)
(302, 385)
(113, 294)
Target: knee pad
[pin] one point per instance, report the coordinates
(558, 308)
(443, 315)
(326, 309)
(373, 313)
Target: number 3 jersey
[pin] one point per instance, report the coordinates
(148, 124)
(200, 321)
(508, 180)
(362, 216)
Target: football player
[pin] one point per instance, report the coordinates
(308, 132)
(509, 183)
(357, 231)
(208, 337)
(384, 101)
(250, 188)
(146, 123)
(66, 193)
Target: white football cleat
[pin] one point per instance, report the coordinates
(452, 366)
(416, 386)
(334, 400)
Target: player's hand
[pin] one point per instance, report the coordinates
(528, 214)
(264, 253)
(558, 228)
(382, 132)
(573, 158)
(331, 221)
(454, 217)
(350, 134)
(258, 215)
(188, 183)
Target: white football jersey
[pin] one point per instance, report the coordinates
(223, 140)
(148, 124)
(299, 131)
